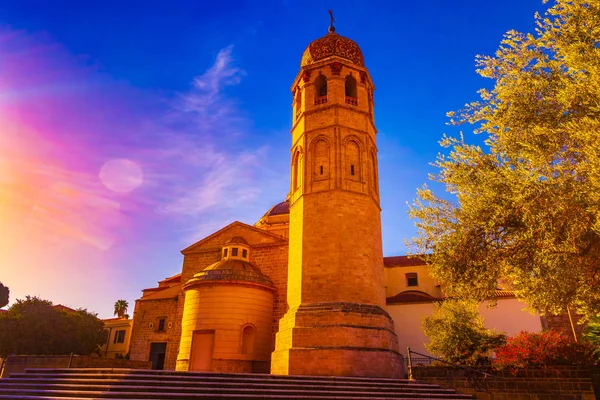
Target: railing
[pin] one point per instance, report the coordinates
(321, 100)
(409, 365)
(351, 100)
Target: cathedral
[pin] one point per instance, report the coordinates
(305, 290)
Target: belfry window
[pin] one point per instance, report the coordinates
(320, 90)
(351, 94)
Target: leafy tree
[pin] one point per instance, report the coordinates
(591, 334)
(34, 326)
(456, 333)
(527, 206)
(4, 292)
(121, 308)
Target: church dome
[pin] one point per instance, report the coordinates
(329, 45)
(232, 270)
(280, 208)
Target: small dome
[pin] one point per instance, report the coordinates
(281, 208)
(237, 240)
(332, 44)
(233, 270)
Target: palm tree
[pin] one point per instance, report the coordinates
(4, 292)
(121, 308)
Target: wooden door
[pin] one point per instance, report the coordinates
(203, 343)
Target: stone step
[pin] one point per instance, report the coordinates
(107, 383)
(211, 380)
(62, 394)
(87, 371)
(223, 389)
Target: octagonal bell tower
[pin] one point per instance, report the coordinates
(336, 323)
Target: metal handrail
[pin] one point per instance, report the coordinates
(409, 364)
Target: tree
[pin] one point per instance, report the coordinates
(121, 308)
(456, 333)
(4, 293)
(527, 208)
(34, 326)
(591, 334)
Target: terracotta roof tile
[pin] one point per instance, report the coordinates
(411, 296)
(402, 261)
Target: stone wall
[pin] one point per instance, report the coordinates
(564, 383)
(15, 364)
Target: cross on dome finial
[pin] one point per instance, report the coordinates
(331, 27)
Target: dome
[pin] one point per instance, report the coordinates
(232, 270)
(329, 45)
(278, 209)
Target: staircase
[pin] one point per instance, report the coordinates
(108, 383)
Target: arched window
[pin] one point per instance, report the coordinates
(352, 170)
(320, 159)
(351, 87)
(248, 334)
(320, 90)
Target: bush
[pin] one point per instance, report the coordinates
(456, 333)
(541, 350)
(591, 335)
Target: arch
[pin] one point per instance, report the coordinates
(320, 158)
(351, 87)
(373, 172)
(296, 170)
(352, 168)
(320, 86)
(248, 338)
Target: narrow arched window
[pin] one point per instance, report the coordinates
(248, 336)
(351, 87)
(320, 90)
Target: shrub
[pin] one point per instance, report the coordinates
(540, 350)
(456, 333)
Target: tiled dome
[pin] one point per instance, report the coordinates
(281, 208)
(329, 45)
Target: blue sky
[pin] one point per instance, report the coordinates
(189, 103)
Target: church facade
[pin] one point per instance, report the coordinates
(306, 289)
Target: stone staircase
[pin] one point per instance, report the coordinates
(108, 383)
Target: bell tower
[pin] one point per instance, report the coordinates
(336, 323)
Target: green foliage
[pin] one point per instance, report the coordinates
(591, 334)
(4, 295)
(121, 309)
(527, 206)
(456, 333)
(541, 350)
(34, 326)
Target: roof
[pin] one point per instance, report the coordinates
(60, 307)
(416, 296)
(403, 261)
(332, 44)
(170, 292)
(232, 270)
(412, 296)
